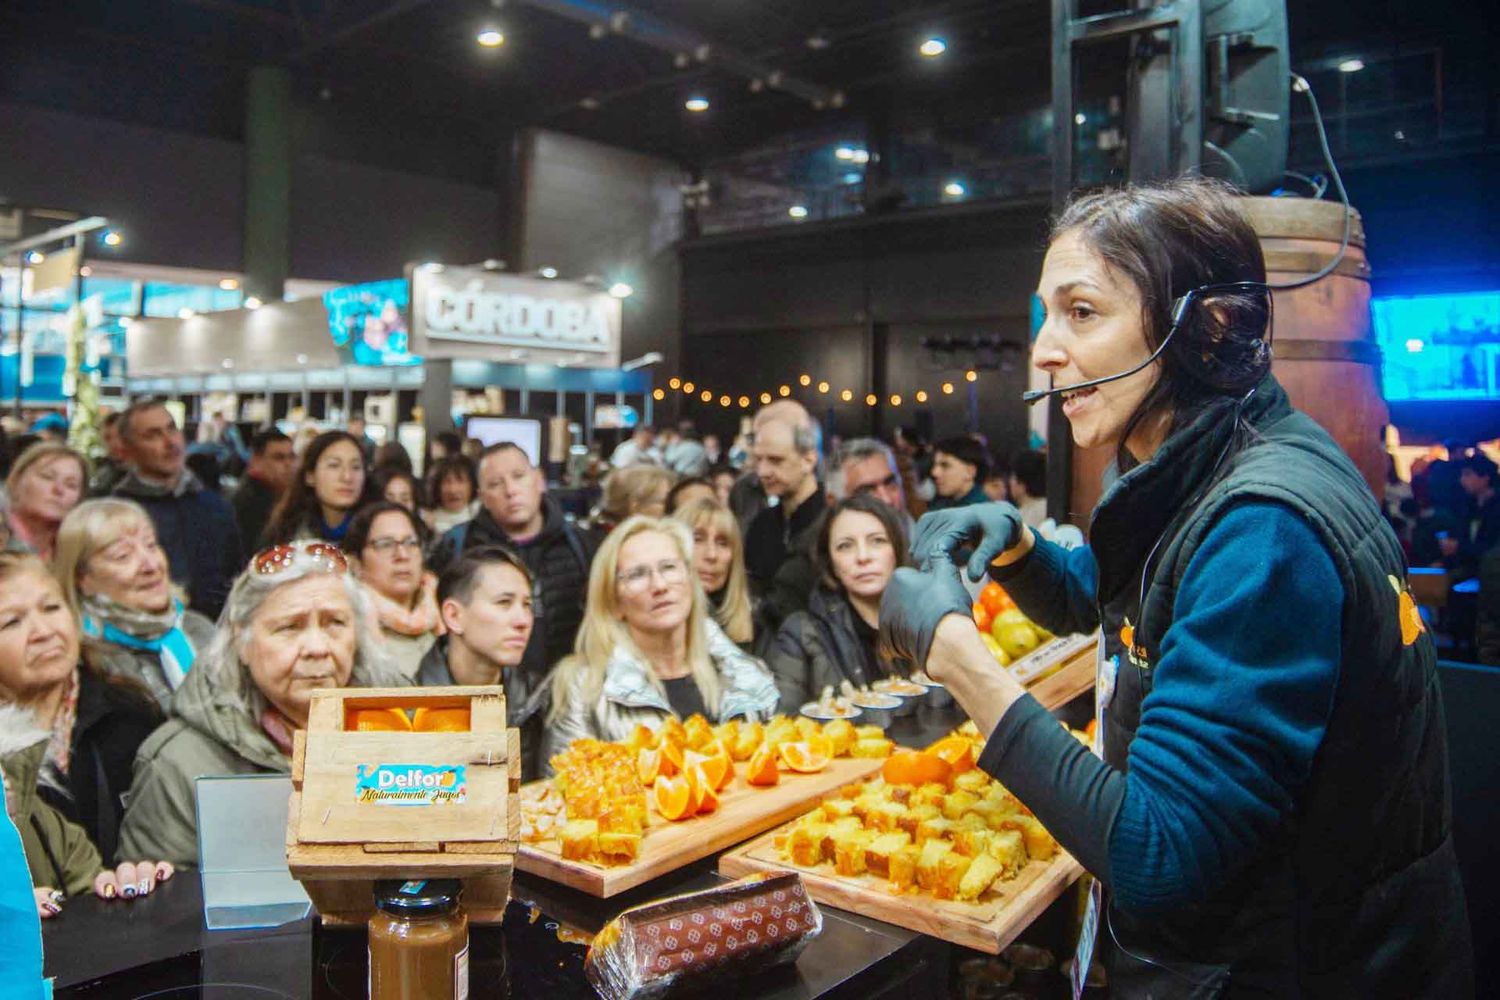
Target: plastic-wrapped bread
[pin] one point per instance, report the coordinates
(687, 941)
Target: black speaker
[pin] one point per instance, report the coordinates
(1247, 93)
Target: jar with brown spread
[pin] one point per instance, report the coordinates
(419, 941)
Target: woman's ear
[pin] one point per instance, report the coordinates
(452, 614)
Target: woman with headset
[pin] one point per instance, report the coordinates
(1270, 816)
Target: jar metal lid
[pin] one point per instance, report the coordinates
(418, 897)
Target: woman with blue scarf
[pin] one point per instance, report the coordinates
(115, 576)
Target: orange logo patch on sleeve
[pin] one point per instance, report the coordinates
(1411, 619)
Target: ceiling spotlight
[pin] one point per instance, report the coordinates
(490, 38)
(805, 380)
(838, 99)
(817, 42)
(674, 382)
(620, 290)
(229, 284)
(185, 313)
(725, 401)
(933, 47)
(302, 359)
(85, 271)
(35, 257)
(955, 189)
(589, 104)
(112, 238)
(547, 272)
(797, 211)
(1080, 118)
(598, 31)
(1352, 65)
(757, 85)
(744, 402)
(687, 388)
(696, 103)
(253, 303)
(896, 399)
(682, 60)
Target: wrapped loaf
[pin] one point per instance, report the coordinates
(687, 941)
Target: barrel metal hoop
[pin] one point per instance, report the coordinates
(1360, 352)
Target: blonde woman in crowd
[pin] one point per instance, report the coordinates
(635, 489)
(115, 577)
(648, 649)
(719, 564)
(45, 483)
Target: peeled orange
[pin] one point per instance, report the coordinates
(441, 720)
(958, 751)
(801, 757)
(762, 769)
(672, 797)
(916, 767)
(377, 720)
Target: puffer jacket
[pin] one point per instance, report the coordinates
(820, 648)
(59, 853)
(215, 731)
(629, 696)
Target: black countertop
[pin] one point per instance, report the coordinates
(158, 947)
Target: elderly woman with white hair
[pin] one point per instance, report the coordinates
(296, 621)
(648, 648)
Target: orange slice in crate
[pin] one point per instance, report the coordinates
(801, 757)
(958, 751)
(916, 767)
(377, 720)
(672, 797)
(762, 769)
(441, 720)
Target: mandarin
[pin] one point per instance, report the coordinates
(801, 757)
(916, 767)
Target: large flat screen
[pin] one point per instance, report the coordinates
(524, 432)
(368, 322)
(1439, 347)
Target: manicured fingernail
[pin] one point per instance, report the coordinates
(162, 873)
(52, 908)
(143, 886)
(128, 892)
(109, 891)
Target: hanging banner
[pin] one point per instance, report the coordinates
(468, 312)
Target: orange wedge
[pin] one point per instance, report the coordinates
(672, 797)
(641, 737)
(377, 720)
(697, 783)
(747, 741)
(916, 767)
(715, 768)
(710, 801)
(672, 729)
(671, 756)
(958, 751)
(648, 765)
(440, 720)
(800, 757)
(762, 769)
(699, 732)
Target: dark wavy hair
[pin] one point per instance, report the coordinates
(455, 465)
(1168, 239)
(865, 503)
(358, 536)
(299, 505)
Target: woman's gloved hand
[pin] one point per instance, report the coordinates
(990, 528)
(915, 601)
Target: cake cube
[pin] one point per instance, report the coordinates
(885, 817)
(955, 804)
(975, 782)
(971, 842)
(836, 809)
(1039, 843)
(933, 851)
(951, 868)
(580, 840)
(805, 843)
(937, 828)
(869, 732)
(903, 868)
(871, 747)
(878, 854)
(620, 847)
(982, 873)
(913, 817)
(1007, 847)
(849, 852)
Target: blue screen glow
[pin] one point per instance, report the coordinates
(369, 322)
(1439, 346)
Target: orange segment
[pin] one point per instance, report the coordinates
(648, 765)
(699, 732)
(671, 796)
(747, 741)
(713, 767)
(958, 751)
(916, 767)
(671, 756)
(672, 729)
(441, 720)
(762, 769)
(377, 720)
(641, 737)
(710, 802)
(697, 783)
(801, 757)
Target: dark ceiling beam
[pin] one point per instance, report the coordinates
(340, 35)
(678, 40)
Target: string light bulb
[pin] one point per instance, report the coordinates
(921, 395)
(765, 398)
(724, 401)
(847, 395)
(971, 376)
(785, 390)
(744, 402)
(871, 399)
(823, 388)
(687, 387)
(805, 380)
(674, 382)
(896, 399)
(658, 395)
(706, 396)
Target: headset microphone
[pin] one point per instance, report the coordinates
(1179, 310)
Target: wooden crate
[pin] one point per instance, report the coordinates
(339, 844)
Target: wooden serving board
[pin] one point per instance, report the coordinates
(988, 925)
(744, 810)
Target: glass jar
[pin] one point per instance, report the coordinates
(419, 941)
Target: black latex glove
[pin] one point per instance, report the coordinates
(915, 601)
(990, 527)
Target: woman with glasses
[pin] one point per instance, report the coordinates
(330, 485)
(295, 621)
(114, 575)
(384, 546)
(648, 648)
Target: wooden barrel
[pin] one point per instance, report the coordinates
(1325, 352)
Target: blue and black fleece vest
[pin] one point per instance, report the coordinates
(1358, 894)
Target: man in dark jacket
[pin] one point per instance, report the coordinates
(778, 544)
(194, 525)
(272, 466)
(517, 513)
